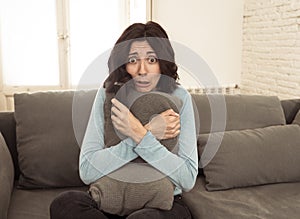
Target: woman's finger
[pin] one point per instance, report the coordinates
(120, 110)
(118, 104)
(169, 112)
(115, 111)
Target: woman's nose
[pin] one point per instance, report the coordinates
(143, 67)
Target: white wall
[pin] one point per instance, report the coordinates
(212, 28)
(271, 48)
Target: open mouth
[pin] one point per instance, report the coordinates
(141, 83)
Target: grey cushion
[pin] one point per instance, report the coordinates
(149, 105)
(124, 196)
(237, 112)
(254, 157)
(297, 118)
(6, 177)
(144, 107)
(47, 146)
(121, 197)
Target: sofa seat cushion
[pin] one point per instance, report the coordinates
(274, 201)
(34, 204)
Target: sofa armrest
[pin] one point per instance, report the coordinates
(6, 178)
(8, 130)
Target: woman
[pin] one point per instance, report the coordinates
(144, 57)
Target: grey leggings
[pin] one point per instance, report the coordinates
(80, 205)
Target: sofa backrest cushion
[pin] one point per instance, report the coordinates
(48, 150)
(254, 157)
(237, 112)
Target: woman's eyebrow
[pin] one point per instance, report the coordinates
(151, 52)
(133, 53)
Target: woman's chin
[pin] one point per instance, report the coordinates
(143, 89)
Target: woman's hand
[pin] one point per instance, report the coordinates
(126, 123)
(165, 125)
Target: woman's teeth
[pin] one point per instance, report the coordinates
(142, 82)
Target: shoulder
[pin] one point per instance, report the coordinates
(101, 93)
(100, 97)
(186, 98)
(182, 93)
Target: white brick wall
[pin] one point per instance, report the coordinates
(271, 48)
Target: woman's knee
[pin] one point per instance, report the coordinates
(68, 204)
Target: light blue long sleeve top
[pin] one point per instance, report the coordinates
(97, 161)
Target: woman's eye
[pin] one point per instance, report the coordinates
(132, 60)
(152, 60)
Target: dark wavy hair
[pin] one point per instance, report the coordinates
(158, 39)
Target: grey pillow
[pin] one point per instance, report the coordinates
(254, 157)
(115, 194)
(237, 112)
(297, 118)
(48, 151)
(6, 177)
(121, 197)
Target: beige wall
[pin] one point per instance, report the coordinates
(212, 28)
(271, 48)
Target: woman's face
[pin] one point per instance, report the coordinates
(143, 66)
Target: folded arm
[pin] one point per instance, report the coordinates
(96, 160)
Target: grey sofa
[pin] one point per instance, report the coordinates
(254, 173)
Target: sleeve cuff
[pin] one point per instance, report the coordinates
(148, 141)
